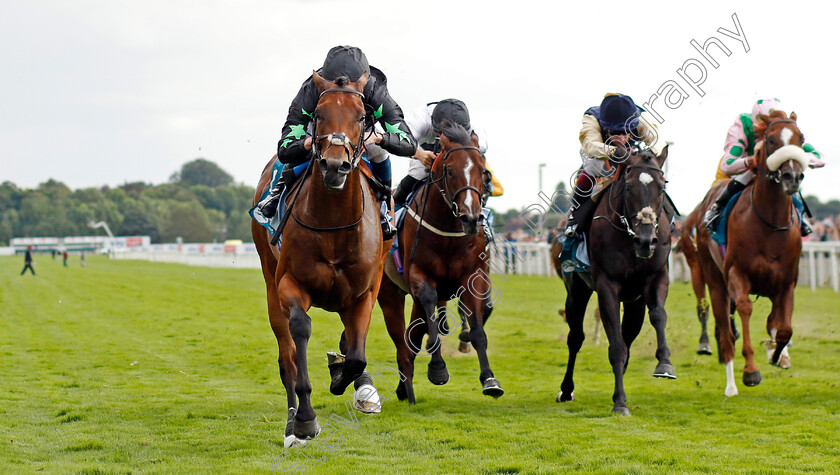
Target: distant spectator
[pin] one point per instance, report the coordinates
(64, 256)
(82, 259)
(27, 261)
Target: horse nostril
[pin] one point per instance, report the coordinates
(637, 241)
(654, 242)
(345, 168)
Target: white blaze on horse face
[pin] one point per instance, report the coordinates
(786, 135)
(467, 168)
(645, 178)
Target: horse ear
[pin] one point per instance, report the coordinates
(320, 82)
(360, 84)
(764, 118)
(473, 139)
(660, 160)
(793, 116)
(444, 141)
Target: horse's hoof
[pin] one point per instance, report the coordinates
(464, 336)
(621, 410)
(292, 441)
(664, 370)
(704, 349)
(464, 347)
(752, 378)
(306, 430)
(438, 376)
(784, 361)
(491, 387)
(730, 391)
(401, 392)
(563, 397)
(366, 400)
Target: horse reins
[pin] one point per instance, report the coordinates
(622, 217)
(774, 177)
(354, 153)
(444, 191)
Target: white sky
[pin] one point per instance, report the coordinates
(105, 92)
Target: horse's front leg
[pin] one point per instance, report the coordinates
(392, 302)
(356, 320)
(473, 302)
(655, 294)
(294, 324)
(739, 288)
(577, 296)
(780, 329)
(610, 317)
(425, 299)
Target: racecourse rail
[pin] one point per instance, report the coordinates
(817, 268)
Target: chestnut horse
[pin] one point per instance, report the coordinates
(688, 245)
(332, 252)
(763, 246)
(444, 259)
(629, 243)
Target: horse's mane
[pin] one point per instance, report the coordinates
(455, 132)
(342, 81)
(761, 126)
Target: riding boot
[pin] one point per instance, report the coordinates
(385, 213)
(804, 228)
(268, 205)
(404, 189)
(714, 211)
(579, 215)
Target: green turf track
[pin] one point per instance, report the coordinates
(128, 366)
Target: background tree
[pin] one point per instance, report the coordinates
(202, 172)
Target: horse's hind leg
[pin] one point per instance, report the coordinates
(656, 294)
(723, 331)
(577, 296)
(780, 329)
(392, 301)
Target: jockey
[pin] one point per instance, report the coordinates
(617, 115)
(425, 122)
(295, 146)
(738, 158)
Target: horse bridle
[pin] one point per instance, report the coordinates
(448, 197)
(775, 176)
(354, 151)
(623, 217)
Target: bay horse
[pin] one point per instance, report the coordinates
(763, 246)
(331, 255)
(688, 246)
(555, 250)
(628, 243)
(444, 258)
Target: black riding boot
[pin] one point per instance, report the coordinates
(404, 189)
(714, 211)
(388, 229)
(579, 216)
(268, 205)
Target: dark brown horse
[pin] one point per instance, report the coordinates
(628, 244)
(763, 246)
(331, 256)
(445, 261)
(555, 249)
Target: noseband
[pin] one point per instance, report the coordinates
(353, 151)
(448, 197)
(776, 176)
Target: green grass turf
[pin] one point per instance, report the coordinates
(129, 366)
